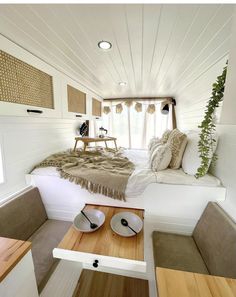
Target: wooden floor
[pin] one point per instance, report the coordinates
(100, 284)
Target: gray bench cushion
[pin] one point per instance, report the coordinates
(215, 236)
(44, 240)
(177, 252)
(21, 217)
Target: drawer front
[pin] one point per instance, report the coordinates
(100, 261)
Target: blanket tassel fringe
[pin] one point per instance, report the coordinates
(93, 188)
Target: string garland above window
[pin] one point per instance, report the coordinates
(151, 108)
(106, 109)
(138, 107)
(119, 108)
(133, 125)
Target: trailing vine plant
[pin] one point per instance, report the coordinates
(207, 141)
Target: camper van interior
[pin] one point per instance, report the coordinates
(117, 149)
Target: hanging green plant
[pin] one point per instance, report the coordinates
(206, 142)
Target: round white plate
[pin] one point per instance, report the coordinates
(133, 220)
(82, 224)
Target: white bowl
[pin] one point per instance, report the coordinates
(133, 220)
(82, 224)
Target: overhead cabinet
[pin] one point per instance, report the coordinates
(28, 86)
(96, 107)
(24, 84)
(76, 100)
(31, 87)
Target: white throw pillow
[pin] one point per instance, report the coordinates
(161, 157)
(154, 148)
(191, 160)
(153, 141)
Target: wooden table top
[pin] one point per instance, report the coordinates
(11, 252)
(94, 139)
(175, 283)
(104, 241)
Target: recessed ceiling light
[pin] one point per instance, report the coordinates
(122, 83)
(105, 45)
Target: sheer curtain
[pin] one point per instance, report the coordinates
(134, 129)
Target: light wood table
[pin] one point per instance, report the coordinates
(104, 245)
(17, 277)
(175, 283)
(87, 140)
(11, 251)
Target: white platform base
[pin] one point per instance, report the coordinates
(173, 208)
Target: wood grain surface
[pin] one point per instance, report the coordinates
(175, 283)
(11, 252)
(87, 140)
(104, 241)
(94, 139)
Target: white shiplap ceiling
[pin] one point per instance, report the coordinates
(157, 49)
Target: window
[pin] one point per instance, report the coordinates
(134, 129)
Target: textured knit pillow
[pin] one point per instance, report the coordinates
(161, 157)
(177, 141)
(165, 136)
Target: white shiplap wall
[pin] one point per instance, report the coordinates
(225, 167)
(25, 142)
(226, 164)
(192, 100)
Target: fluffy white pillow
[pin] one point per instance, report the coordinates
(154, 148)
(161, 157)
(191, 160)
(153, 141)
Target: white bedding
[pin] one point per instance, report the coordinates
(143, 175)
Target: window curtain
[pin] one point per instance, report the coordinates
(135, 129)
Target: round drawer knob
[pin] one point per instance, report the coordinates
(95, 264)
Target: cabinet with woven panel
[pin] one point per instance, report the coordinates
(28, 85)
(96, 108)
(75, 100)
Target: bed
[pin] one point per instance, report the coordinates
(171, 195)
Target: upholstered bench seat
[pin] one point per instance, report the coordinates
(177, 252)
(210, 250)
(44, 240)
(25, 218)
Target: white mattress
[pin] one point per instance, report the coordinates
(143, 175)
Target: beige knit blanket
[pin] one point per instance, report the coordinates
(100, 172)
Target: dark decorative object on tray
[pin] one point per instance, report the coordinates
(83, 130)
(102, 132)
